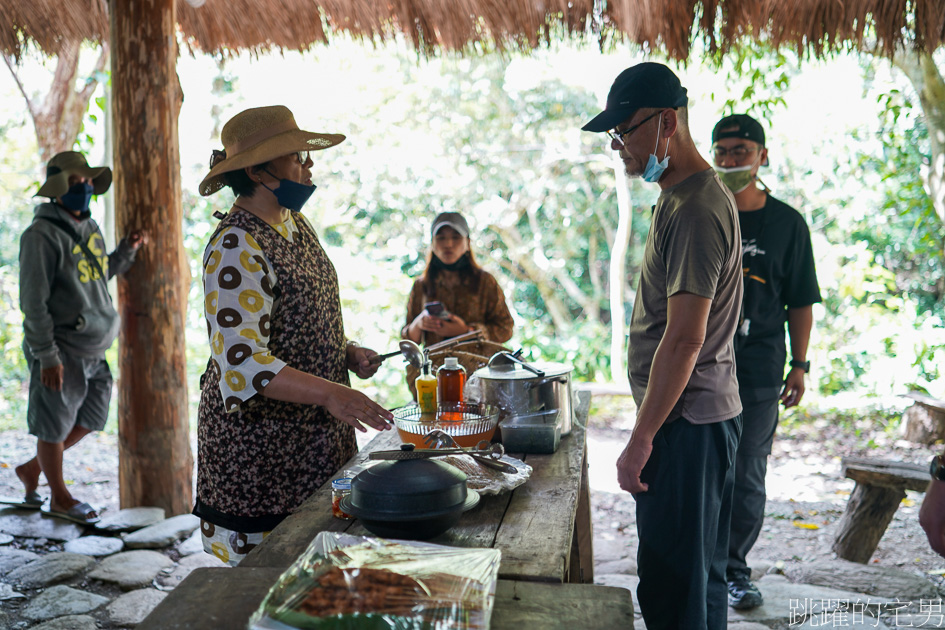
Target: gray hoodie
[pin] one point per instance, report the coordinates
(65, 303)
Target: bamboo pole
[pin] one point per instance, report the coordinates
(155, 462)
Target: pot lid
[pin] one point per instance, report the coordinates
(408, 489)
(472, 500)
(508, 367)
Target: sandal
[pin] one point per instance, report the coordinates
(32, 501)
(78, 513)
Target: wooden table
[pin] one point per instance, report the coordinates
(218, 599)
(543, 527)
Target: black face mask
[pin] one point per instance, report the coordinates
(462, 264)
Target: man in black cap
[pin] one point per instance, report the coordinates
(780, 288)
(679, 462)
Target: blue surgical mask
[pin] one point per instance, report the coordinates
(290, 194)
(77, 198)
(654, 169)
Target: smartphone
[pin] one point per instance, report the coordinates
(436, 309)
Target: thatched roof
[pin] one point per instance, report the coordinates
(669, 26)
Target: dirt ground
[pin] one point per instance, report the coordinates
(806, 492)
(807, 495)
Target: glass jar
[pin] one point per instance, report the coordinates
(340, 488)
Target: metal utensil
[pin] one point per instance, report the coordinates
(409, 451)
(439, 439)
(408, 349)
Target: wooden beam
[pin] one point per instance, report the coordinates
(155, 461)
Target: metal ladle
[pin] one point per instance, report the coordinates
(408, 349)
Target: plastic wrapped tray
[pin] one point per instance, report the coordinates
(345, 582)
(488, 480)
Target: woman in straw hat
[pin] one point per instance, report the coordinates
(464, 297)
(277, 416)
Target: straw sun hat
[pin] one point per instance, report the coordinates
(67, 163)
(258, 135)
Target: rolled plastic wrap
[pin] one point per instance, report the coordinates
(345, 582)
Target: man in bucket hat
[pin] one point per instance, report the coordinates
(68, 322)
(679, 462)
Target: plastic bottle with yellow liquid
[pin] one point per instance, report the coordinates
(426, 392)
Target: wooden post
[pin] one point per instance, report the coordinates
(155, 461)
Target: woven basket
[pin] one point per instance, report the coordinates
(470, 361)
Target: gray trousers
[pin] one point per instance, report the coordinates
(760, 420)
(683, 525)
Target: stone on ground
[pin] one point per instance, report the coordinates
(14, 558)
(70, 622)
(32, 524)
(131, 608)
(192, 545)
(186, 567)
(49, 569)
(164, 533)
(62, 600)
(95, 545)
(861, 578)
(131, 519)
(5, 539)
(131, 569)
(8, 592)
(785, 601)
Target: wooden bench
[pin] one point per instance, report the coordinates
(880, 487)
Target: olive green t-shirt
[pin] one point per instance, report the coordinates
(693, 246)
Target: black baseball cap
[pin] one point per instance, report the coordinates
(646, 84)
(739, 126)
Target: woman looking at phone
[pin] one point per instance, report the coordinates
(454, 295)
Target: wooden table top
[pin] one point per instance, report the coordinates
(217, 598)
(533, 526)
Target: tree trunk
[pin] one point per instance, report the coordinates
(618, 271)
(58, 117)
(155, 461)
(929, 85)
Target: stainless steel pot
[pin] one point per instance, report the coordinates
(532, 397)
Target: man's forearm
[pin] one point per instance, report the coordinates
(800, 323)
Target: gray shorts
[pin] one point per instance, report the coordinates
(83, 401)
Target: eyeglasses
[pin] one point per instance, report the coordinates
(618, 136)
(301, 156)
(737, 153)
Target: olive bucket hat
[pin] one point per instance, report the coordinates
(258, 135)
(62, 165)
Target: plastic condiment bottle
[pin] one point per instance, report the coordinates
(450, 381)
(426, 390)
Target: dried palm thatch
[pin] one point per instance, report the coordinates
(813, 27)
(48, 23)
(668, 26)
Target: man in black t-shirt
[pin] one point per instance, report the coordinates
(780, 287)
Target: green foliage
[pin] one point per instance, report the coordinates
(755, 78)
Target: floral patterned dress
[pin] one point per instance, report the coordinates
(271, 301)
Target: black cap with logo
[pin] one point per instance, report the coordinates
(739, 126)
(646, 84)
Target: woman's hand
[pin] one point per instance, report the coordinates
(359, 360)
(453, 326)
(354, 408)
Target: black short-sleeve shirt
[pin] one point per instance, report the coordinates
(779, 273)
